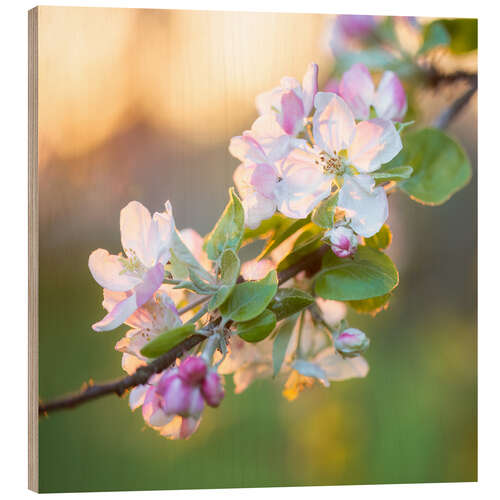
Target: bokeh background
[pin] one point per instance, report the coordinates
(141, 104)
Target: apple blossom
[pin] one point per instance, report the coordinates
(358, 91)
(146, 241)
(154, 317)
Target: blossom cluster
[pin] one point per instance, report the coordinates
(305, 148)
(308, 145)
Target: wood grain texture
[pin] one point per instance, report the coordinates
(33, 249)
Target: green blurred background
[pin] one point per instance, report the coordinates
(138, 104)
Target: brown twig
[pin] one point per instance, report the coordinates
(142, 375)
(445, 118)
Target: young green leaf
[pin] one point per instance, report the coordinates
(281, 341)
(306, 243)
(324, 213)
(266, 228)
(391, 173)
(440, 166)
(283, 235)
(370, 274)
(289, 301)
(381, 240)
(228, 231)
(249, 299)
(167, 340)
(371, 306)
(230, 270)
(181, 260)
(258, 328)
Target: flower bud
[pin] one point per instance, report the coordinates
(179, 397)
(343, 241)
(193, 370)
(152, 411)
(351, 343)
(212, 389)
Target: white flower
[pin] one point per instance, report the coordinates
(146, 241)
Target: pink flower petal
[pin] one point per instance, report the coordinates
(309, 87)
(292, 111)
(390, 98)
(374, 143)
(333, 122)
(358, 91)
(118, 315)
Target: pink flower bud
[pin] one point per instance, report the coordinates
(212, 389)
(351, 343)
(152, 411)
(178, 397)
(343, 241)
(193, 370)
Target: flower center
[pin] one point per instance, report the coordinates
(330, 164)
(132, 265)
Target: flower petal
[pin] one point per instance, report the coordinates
(333, 122)
(374, 143)
(358, 91)
(292, 112)
(338, 368)
(364, 204)
(269, 134)
(390, 98)
(135, 222)
(136, 396)
(151, 282)
(257, 208)
(309, 87)
(269, 101)
(107, 270)
(309, 369)
(264, 178)
(247, 149)
(241, 179)
(118, 314)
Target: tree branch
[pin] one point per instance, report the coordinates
(309, 263)
(446, 117)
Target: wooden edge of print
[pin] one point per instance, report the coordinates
(33, 249)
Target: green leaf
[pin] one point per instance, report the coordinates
(440, 166)
(370, 274)
(381, 240)
(282, 235)
(289, 301)
(181, 259)
(392, 173)
(228, 232)
(463, 33)
(371, 306)
(281, 341)
(249, 299)
(258, 328)
(306, 243)
(324, 213)
(167, 340)
(230, 270)
(435, 34)
(200, 286)
(266, 228)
